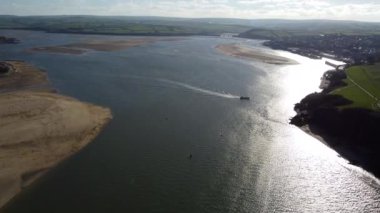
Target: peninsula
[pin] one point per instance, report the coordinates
(39, 128)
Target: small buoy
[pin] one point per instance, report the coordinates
(190, 156)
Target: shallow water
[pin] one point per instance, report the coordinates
(173, 98)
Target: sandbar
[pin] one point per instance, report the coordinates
(244, 52)
(100, 45)
(39, 128)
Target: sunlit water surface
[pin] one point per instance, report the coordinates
(170, 99)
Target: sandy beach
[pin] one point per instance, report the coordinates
(39, 128)
(100, 45)
(245, 52)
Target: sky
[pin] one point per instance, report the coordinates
(362, 10)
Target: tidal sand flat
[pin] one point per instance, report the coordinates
(245, 52)
(99, 45)
(39, 128)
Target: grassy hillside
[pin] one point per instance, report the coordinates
(363, 86)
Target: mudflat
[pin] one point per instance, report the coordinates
(39, 128)
(249, 53)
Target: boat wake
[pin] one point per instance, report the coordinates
(185, 86)
(199, 90)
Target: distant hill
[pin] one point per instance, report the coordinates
(119, 25)
(148, 25)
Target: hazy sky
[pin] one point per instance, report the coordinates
(367, 10)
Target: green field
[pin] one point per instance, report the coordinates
(363, 86)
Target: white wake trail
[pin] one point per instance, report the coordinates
(197, 89)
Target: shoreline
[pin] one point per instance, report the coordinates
(346, 152)
(40, 128)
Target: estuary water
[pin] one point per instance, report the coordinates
(173, 98)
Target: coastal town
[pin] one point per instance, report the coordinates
(351, 49)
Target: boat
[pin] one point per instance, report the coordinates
(244, 98)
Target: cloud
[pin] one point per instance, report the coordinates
(252, 9)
